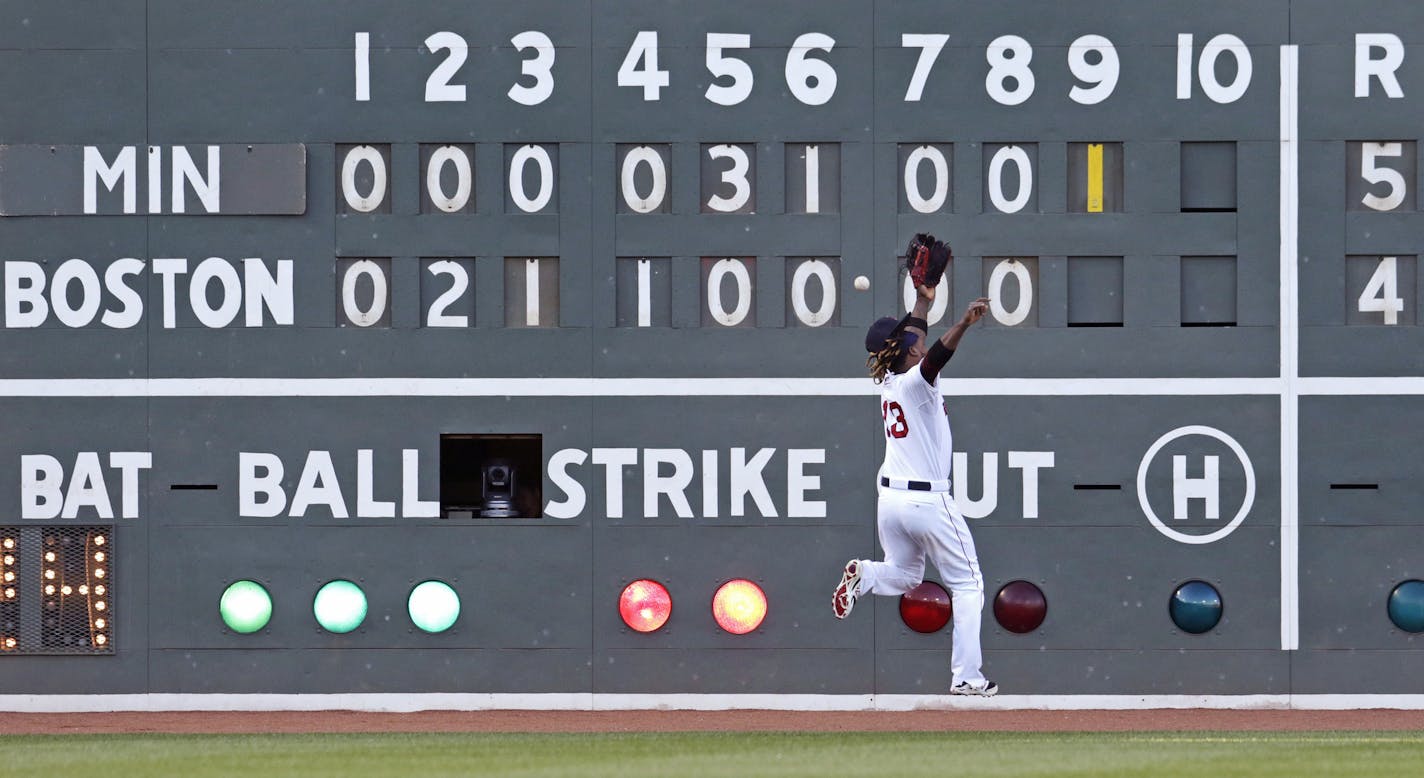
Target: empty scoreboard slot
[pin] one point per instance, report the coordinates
(1095, 291)
(1208, 291)
(1208, 178)
(491, 476)
(1355, 487)
(1097, 487)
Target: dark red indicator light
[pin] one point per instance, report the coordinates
(1020, 607)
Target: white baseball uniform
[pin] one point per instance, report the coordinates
(917, 515)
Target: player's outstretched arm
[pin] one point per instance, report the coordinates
(943, 348)
(924, 298)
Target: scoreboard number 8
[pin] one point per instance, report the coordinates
(1008, 57)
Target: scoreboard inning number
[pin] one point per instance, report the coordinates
(1092, 60)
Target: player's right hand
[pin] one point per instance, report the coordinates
(976, 310)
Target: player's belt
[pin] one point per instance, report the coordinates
(915, 486)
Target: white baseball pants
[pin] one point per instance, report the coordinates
(914, 525)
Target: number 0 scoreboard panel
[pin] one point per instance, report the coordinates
(382, 258)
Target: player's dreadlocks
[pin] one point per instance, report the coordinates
(883, 361)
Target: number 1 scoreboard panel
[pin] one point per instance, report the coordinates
(332, 330)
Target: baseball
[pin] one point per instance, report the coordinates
(862, 283)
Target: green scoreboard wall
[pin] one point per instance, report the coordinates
(540, 300)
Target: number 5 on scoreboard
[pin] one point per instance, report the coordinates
(1381, 177)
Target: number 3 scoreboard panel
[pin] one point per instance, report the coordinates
(483, 348)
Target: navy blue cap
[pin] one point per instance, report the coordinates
(885, 328)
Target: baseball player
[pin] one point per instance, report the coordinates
(917, 515)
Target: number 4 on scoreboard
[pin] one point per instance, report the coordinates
(1381, 291)
(649, 77)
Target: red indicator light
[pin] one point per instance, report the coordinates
(1020, 607)
(926, 608)
(739, 606)
(645, 605)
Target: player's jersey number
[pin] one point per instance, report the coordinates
(898, 428)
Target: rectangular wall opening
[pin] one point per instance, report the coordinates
(491, 476)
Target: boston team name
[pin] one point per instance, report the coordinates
(213, 292)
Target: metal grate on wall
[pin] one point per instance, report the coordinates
(10, 572)
(56, 590)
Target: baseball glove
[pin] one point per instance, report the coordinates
(926, 259)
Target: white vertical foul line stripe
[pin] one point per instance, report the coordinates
(1290, 351)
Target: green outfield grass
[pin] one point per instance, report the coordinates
(850, 755)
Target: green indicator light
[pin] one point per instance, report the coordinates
(340, 606)
(434, 606)
(245, 607)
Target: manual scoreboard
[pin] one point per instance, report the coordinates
(516, 348)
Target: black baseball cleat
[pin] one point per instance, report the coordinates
(964, 688)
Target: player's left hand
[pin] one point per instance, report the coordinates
(976, 311)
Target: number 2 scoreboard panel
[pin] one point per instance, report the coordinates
(517, 348)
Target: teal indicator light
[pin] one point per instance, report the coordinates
(433, 606)
(1196, 607)
(1406, 606)
(340, 606)
(245, 607)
